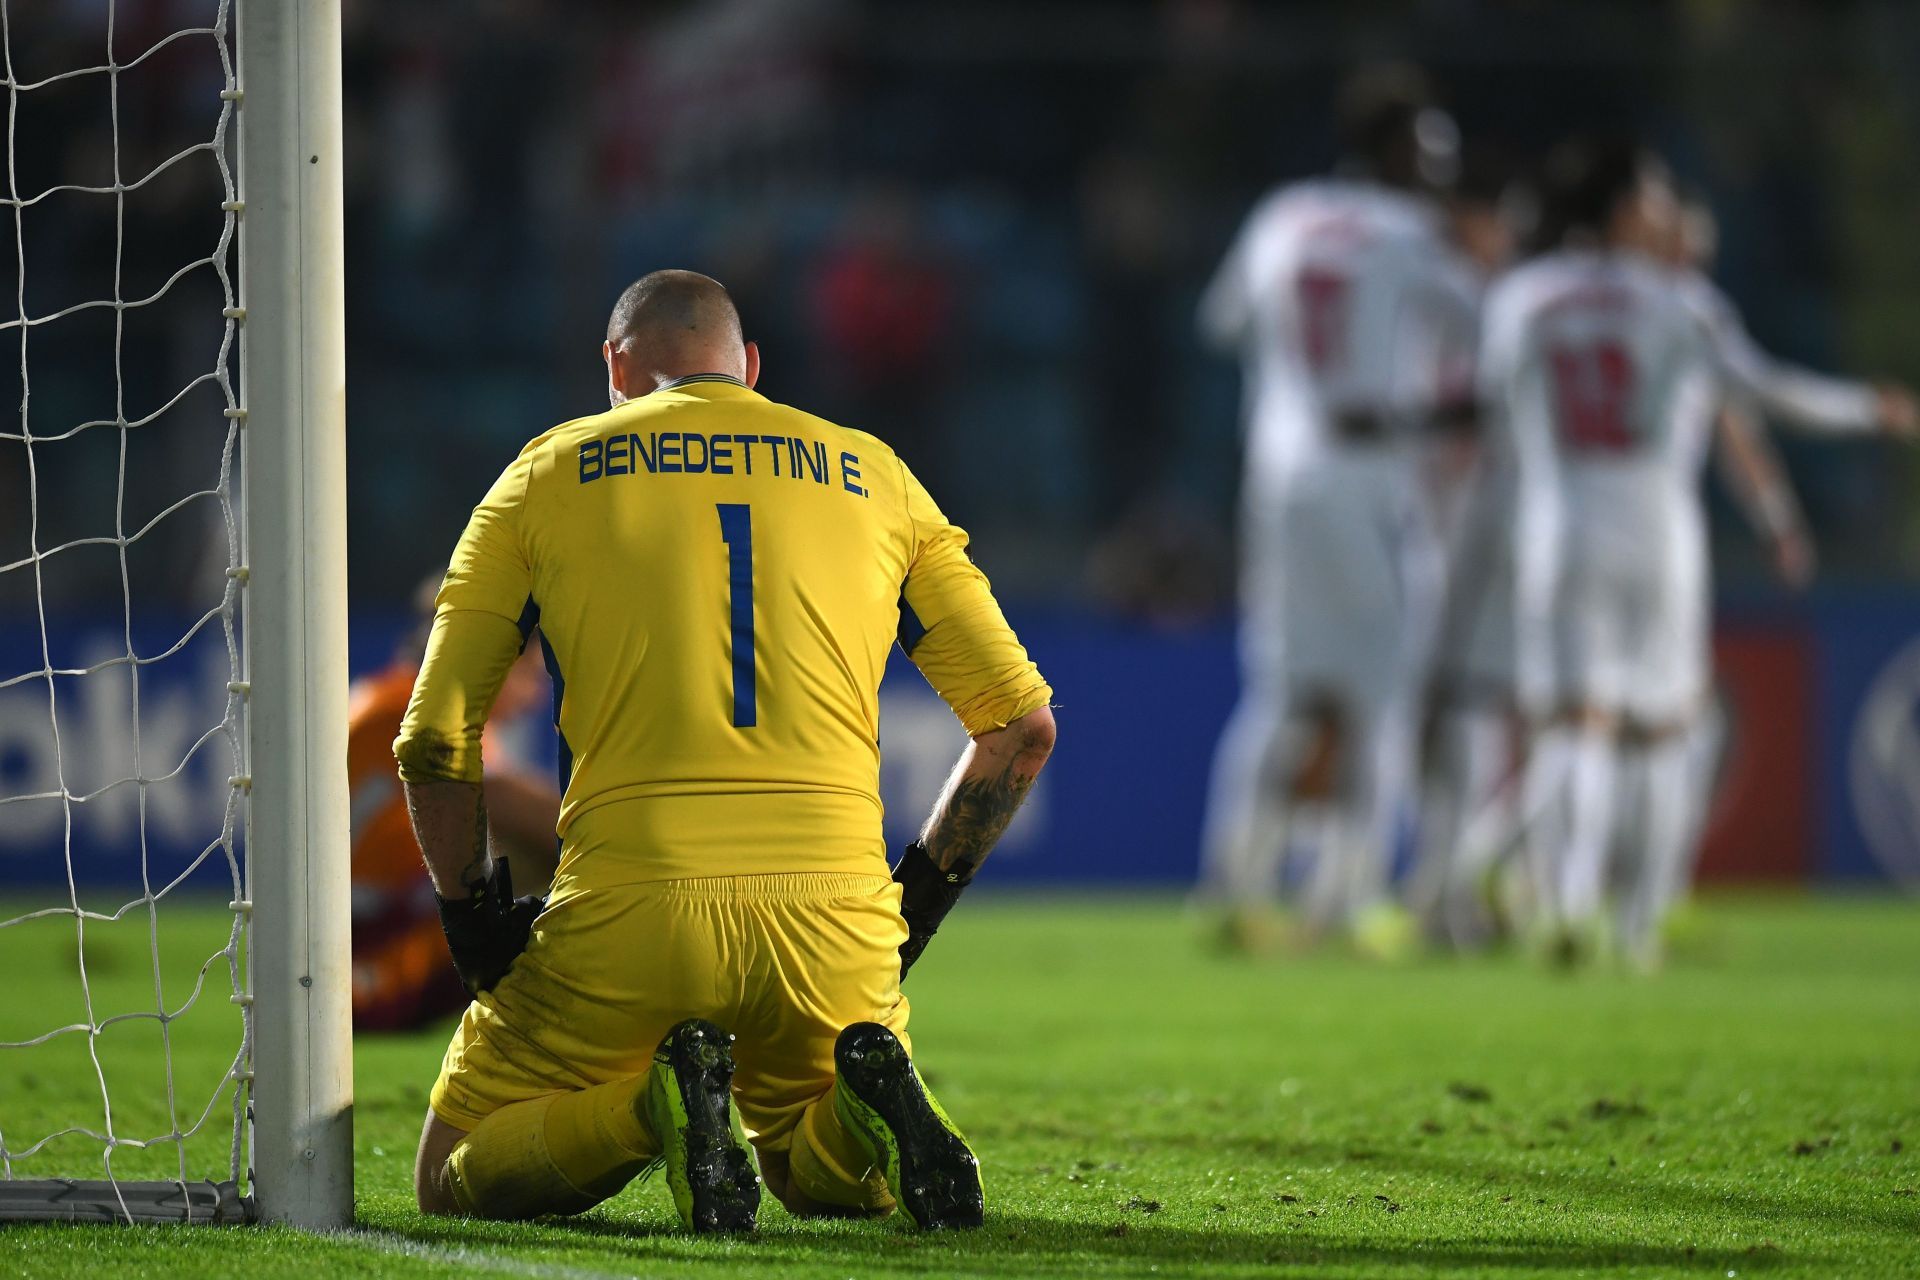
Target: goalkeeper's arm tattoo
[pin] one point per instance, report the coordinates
(987, 787)
(977, 810)
(450, 823)
(478, 864)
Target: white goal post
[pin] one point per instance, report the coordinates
(282, 492)
(293, 386)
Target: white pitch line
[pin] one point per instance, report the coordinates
(463, 1256)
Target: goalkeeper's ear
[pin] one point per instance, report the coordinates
(616, 375)
(753, 364)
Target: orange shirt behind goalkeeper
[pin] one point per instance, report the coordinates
(402, 977)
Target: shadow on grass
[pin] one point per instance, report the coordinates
(1017, 1244)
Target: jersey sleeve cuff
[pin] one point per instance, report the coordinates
(427, 756)
(987, 715)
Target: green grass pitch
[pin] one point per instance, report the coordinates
(1146, 1108)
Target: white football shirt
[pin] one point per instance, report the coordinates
(1342, 296)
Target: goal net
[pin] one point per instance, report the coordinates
(157, 931)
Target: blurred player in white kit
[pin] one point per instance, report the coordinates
(1754, 384)
(1605, 368)
(1346, 303)
(1470, 815)
(1468, 739)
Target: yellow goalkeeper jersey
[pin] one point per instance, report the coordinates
(717, 579)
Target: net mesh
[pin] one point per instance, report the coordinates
(125, 1038)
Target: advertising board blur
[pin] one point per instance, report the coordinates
(1819, 775)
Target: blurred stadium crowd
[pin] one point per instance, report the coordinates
(979, 230)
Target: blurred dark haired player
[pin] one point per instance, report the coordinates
(1491, 208)
(1608, 189)
(1393, 130)
(1605, 368)
(1346, 302)
(1468, 814)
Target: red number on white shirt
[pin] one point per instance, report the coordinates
(1323, 318)
(1593, 390)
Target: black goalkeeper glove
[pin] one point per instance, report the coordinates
(926, 895)
(487, 931)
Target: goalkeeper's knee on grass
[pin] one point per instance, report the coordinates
(560, 1154)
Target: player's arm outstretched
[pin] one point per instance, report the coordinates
(1801, 397)
(1752, 471)
(955, 633)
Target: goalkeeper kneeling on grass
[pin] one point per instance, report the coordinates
(717, 580)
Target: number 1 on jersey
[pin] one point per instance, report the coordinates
(736, 530)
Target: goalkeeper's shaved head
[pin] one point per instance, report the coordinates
(674, 307)
(674, 324)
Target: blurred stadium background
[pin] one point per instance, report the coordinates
(978, 230)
